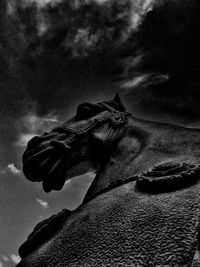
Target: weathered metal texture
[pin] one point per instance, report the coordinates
(143, 206)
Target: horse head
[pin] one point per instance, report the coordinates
(76, 146)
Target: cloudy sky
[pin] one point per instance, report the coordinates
(57, 54)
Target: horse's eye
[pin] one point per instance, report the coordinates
(83, 112)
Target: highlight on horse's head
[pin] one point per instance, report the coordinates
(74, 147)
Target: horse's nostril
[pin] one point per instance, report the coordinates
(60, 145)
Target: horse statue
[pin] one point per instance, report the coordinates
(142, 208)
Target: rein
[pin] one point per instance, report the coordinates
(161, 178)
(111, 186)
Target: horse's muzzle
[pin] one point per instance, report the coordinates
(47, 160)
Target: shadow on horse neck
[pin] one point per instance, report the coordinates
(119, 147)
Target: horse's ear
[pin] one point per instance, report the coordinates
(117, 100)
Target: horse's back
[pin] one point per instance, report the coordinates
(126, 227)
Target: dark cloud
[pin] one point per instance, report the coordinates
(169, 44)
(76, 49)
(60, 54)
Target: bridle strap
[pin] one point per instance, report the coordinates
(117, 119)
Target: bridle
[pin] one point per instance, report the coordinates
(116, 118)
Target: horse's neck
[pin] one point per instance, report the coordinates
(119, 164)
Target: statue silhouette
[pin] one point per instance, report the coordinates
(142, 209)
